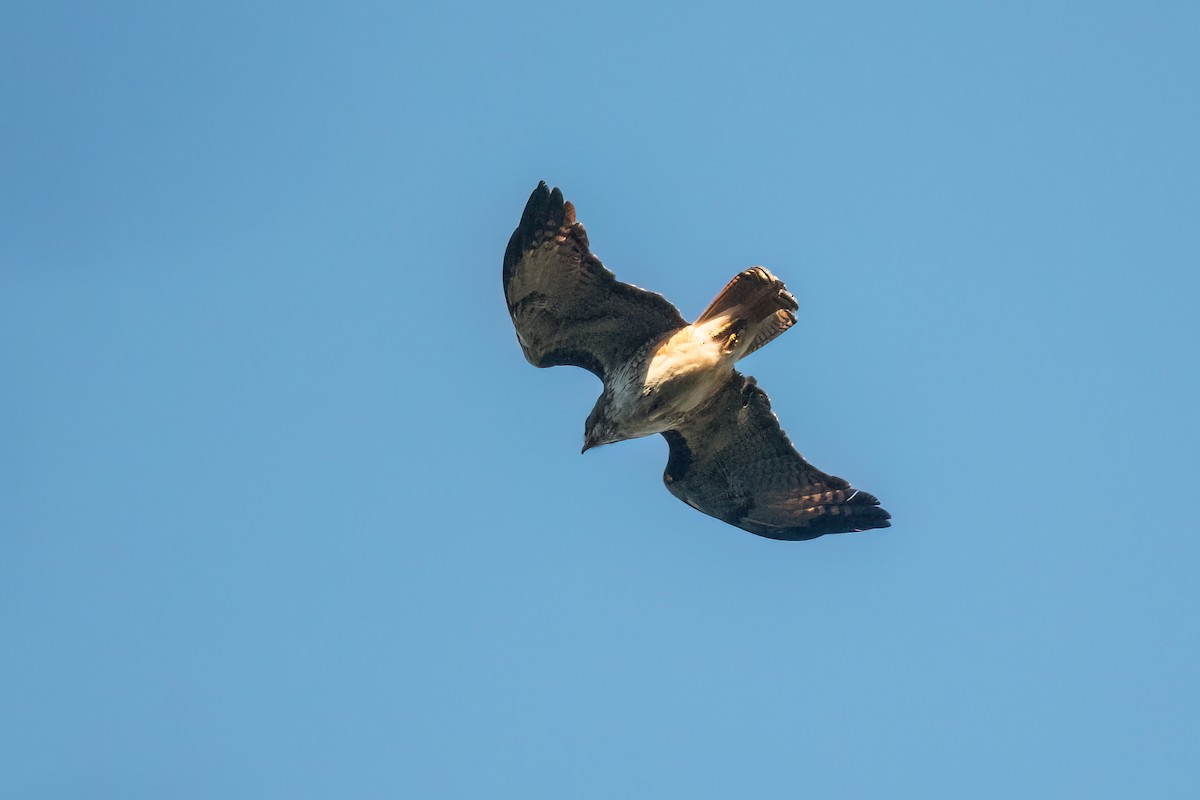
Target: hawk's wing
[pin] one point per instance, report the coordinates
(732, 461)
(567, 308)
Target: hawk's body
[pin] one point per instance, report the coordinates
(729, 457)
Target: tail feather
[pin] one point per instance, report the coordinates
(761, 300)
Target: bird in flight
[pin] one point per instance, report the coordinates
(729, 458)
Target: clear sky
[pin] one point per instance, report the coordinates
(286, 514)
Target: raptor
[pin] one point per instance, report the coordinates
(729, 457)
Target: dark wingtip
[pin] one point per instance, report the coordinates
(538, 200)
(854, 518)
(874, 518)
(866, 512)
(859, 512)
(543, 211)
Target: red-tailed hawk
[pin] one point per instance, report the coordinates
(729, 457)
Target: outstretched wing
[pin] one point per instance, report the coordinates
(732, 461)
(567, 308)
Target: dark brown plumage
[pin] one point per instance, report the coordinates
(729, 458)
(568, 309)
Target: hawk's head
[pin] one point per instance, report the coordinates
(618, 416)
(600, 428)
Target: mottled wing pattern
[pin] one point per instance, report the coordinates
(733, 461)
(567, 308)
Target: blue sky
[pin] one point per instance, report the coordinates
(286, 514)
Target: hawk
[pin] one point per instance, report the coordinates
(729, 458)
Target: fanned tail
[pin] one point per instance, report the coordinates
(758, 304)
